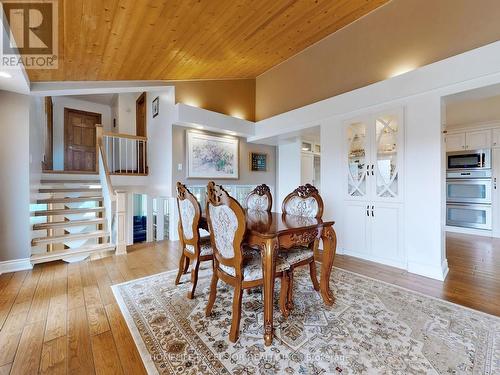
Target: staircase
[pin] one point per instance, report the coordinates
(69, 219)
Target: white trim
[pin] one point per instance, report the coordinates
(388, 262)
(438, 273)
(15, 265)
(474, 232)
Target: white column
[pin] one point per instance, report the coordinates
(121, 223)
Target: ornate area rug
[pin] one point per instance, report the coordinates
(373, 328)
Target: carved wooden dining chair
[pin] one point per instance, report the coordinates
(233, 263)
(304, 202)
(195, 249)
(260, 199)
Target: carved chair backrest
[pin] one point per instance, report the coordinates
(304, 201)
(227, 224)
(189, 214)
(260, 199)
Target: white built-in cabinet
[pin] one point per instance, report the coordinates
(469, 140)
(373, 217)
(495, 137)
(310, 164)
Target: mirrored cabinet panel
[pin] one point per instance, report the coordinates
(357, 159)
(374, 157)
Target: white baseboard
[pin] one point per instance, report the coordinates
(387, 262)
(433, 272)
(15, 265)
(427, 270)
(475, 232)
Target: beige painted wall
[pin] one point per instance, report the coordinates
(232, 97)
(473, 111)
(403, 34)
(246, 176)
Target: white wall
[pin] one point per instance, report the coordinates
(126, 122)
(37, 139)
(288, 171)
(61, 102)
(473, 111)
(159, 130)
(15, 176)
(420, 93)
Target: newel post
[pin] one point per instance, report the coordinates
(121, 223)
(98, 141)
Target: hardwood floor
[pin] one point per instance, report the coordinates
(62, 318)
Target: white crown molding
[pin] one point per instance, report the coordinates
(15, 265)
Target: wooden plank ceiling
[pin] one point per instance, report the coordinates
(190, 39)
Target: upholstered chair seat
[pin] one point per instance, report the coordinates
(296, 255)
(252, 265)
(205, 247)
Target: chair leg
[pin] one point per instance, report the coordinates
(213, 294)
(235, 324)
(182, 264)
(194, 278)
(186, 265)
(285, 284)
(314, 277)
(289, 304)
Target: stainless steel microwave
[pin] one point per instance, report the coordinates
(472, 159)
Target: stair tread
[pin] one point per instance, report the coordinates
(70, 190)
(59, 254)
(69, 181)
(70, 199)
(66, 211)
(69, 237)
(70, 223)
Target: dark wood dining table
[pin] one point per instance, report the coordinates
(272, 231)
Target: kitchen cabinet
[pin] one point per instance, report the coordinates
(495, 137)
(374, 232)
(455, 142)
(476, 140)
(471, 140)
(373, 221)
(375, 157)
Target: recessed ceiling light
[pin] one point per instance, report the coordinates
(5, 75)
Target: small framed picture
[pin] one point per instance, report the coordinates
(258, 162)
(156, 106)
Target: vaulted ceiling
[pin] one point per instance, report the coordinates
(190, 39)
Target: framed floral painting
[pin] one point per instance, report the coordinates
(212, 156)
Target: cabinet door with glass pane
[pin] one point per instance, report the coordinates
(387, 157)
(358, 153)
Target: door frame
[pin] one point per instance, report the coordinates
(47, 163)
(141, 99)
(67, 111)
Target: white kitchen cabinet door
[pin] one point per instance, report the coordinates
(355, 228)
(386, 233)
(495, 137)
(455, 142)
(387, 158)
(307, 168)
(478, 139)
(358, 159)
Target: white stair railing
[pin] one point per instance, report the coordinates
(126, 154)
(114, 201)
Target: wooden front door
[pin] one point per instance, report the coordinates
(80, 140)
